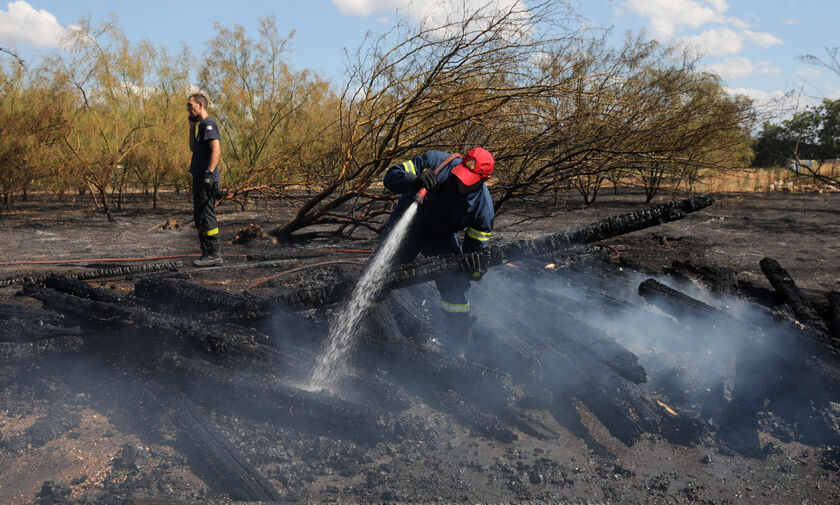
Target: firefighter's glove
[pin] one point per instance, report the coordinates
(476, 264)
(208, 180)
(217, 193)
(427, 180)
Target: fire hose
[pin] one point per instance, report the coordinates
(149, 258)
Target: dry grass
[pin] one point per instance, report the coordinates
(764, 179)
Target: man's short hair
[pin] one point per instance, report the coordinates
(199, 98)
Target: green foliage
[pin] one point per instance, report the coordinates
(274, 121)
(812, 134)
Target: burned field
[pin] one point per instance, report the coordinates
(608, 368)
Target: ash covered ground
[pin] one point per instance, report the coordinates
(579, 389)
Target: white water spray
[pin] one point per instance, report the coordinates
(345, 325)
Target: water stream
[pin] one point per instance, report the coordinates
(344, 326)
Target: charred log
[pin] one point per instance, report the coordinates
(681, 304)
(108, 315)
(675, 302)
(468, 378)
(101, 273)
(81, 289)
(27, 313)
(278, 401)
(411, 318)
(564, 371)
(211, 453)
(480, 422)
(183, 297)
(719, 280)
(18, 330)
(783, 283)
(431, 268)
(39, 348)
(586, 339)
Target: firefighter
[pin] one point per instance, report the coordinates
(204, 139)
(457, 199)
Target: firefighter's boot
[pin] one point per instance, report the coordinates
(202, 242)
(213, 256)
(458, 334)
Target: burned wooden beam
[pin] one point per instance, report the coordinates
(258, 393)
(674, 301)
(431, 268)
(719, 280)
(211, 454)
(468, 378)
(101, 273)
(81, 289)
(186, 297)
(562, 370)
(480, 422)
(815, 359)
(783, 283)
(20, 330)
(587, 339)
(214, 339)
(38, 348)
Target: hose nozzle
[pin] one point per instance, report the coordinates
(420, 196)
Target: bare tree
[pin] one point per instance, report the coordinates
(416, 88)
(110, 78)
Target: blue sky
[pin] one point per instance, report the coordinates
(754, 45)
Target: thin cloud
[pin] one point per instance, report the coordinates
(436, 11)
(722, 41)
(787, 21)
(667, 15)
(770, 102)
(808, 73)
(366, 7)
(715, 42)
(22, 23)
(762, 39)
(735, 67)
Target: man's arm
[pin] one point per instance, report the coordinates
(401, 178)
(192, 136)
(477, 235)
(215, 155)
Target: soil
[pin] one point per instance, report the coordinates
(67, 437)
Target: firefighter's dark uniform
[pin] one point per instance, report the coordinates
(433, 232)
(204, 196)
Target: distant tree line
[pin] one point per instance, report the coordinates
(558, 106)
(810, 138)
(804, 143)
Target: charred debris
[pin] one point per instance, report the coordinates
(563, 327)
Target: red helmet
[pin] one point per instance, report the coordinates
(476, 166)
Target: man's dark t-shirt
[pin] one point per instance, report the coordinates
(208, 130)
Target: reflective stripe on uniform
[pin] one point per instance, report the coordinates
(455, 307)
(482, 236)
(214, 231)
(409, 167)
(373, 305)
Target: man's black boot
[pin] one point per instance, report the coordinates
(202, 242)
(214, 254)
(457, 332)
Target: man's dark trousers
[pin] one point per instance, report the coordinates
(204, 213)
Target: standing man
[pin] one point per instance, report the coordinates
(204, 167)
(457, 200)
